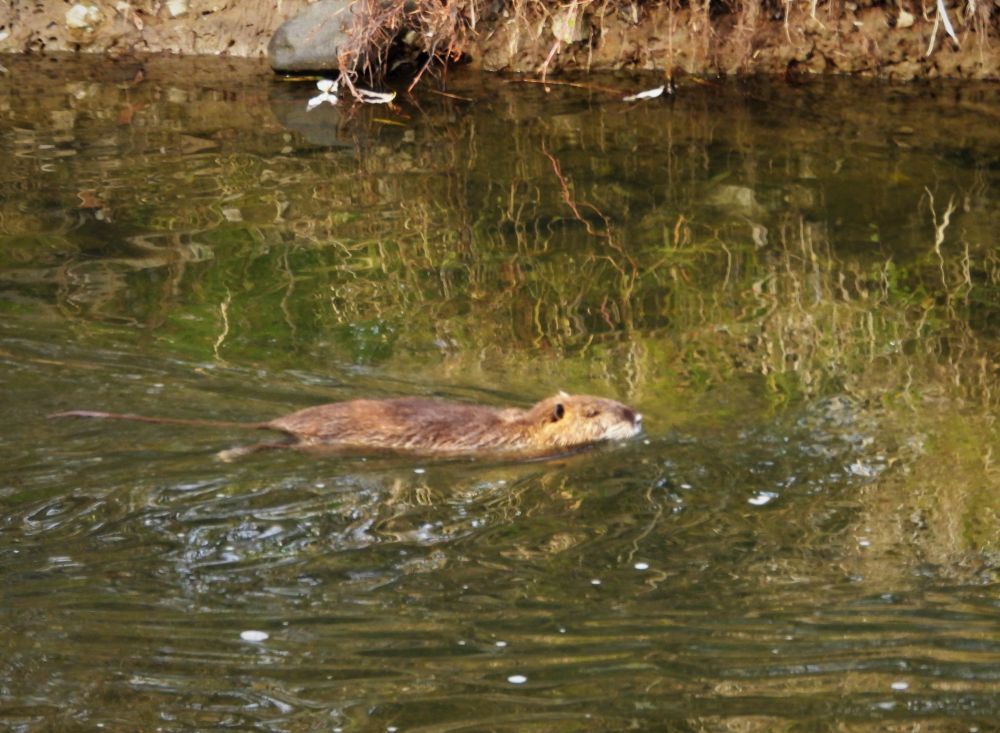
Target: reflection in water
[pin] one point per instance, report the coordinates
(796, 286)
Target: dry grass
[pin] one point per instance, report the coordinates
(440, 28)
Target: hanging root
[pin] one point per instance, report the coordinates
(439, 29)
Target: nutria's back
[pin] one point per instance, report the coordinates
(420, 425)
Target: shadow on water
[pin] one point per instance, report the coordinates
(798, 287)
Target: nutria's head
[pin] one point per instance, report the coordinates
(565, 421)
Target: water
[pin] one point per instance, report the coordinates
(797, 286)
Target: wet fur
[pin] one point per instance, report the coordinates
(429, 426)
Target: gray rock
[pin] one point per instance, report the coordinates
(310, 40)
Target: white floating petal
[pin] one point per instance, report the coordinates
(647, 94)
(319, 99)
(367, 95)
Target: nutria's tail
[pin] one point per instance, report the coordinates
(164, 420)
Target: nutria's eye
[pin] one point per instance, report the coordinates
(557, 412)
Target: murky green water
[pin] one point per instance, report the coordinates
(799, 287)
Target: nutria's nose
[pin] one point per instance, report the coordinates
(632, 416)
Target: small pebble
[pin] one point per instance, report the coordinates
(900, 685)
(641, 566)
(517, 679)
(501, 644)
(595, 581)
(251, 635)
(419, 470)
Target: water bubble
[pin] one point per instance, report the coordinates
(517, 679)
(900, 685)
(419, 470)
(863, 469)
(501, 644)
(252, 635)
(641, 566)
(864, 542)
(595, 581)
(274, 529)
(762, 498)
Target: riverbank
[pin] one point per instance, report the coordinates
(893, 41)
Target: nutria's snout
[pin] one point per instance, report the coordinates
(636, 422)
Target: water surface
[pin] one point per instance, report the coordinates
(799, 287)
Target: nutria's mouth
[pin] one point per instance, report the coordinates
(623, 431)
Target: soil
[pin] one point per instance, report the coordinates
(866, 41)
(188, 27)
(838, 37)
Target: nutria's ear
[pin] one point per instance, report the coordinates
(562, 393)
(558, 411)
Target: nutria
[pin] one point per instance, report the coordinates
(429, 426)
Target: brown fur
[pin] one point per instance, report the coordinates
(429, 426)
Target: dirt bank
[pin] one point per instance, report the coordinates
(841, 38)
(896, 40)
(189, 27)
